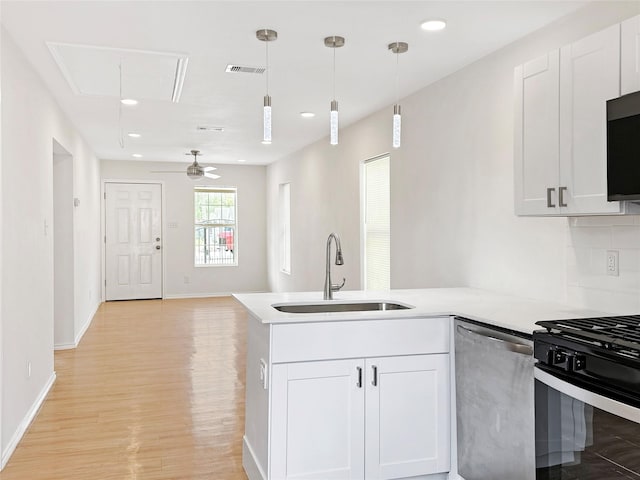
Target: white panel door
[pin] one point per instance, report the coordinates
(407, 416)
(317, 427)
(589, 76)
(537, 137)
(630, 56)
(133, 250)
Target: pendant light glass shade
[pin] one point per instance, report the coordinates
(397, 126)
(334, 42)
(266, 120)
(333, 123)
(397, 48)
(265, 35)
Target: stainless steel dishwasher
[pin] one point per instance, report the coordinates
(494, 403)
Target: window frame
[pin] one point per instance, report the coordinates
(216, 189)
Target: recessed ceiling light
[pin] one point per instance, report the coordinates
(134, 135)
(136, 155)
(241, 160)
(433, 25)
(129, 101)
(307, 114)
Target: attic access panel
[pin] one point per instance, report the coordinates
(95, 71)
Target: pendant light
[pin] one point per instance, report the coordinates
(397, 48)
(265, 35)
(334, 42)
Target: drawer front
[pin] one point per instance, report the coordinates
(299, 342)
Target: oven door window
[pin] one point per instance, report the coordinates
(576, 441)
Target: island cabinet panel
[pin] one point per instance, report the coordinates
(318, 421)
(294, 342)
(407, 416)
(374, 418)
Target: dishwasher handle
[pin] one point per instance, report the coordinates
(499, 342)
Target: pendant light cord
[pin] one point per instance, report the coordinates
(397, 76)
(334, 72)
(266, 44)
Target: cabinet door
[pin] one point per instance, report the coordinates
(537, 147)
(407, 416)
(630, 56)
(317, 427)
(589, 76)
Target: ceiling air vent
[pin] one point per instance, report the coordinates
(245, 69)
(209, 128)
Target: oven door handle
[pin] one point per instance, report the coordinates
(594, 399)
(504, 343)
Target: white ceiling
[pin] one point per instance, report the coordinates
(216, 33)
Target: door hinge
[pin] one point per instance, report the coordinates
(105, 282)
(105, 239)
(105, 195)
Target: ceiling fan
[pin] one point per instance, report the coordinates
(195, 170)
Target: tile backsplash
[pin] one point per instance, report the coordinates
(589, 285)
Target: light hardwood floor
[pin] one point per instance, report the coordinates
(155, 390)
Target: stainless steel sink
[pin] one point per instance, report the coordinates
(339, 307)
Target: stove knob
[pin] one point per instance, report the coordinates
(579, 362)
(558, 357)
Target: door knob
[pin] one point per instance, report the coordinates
(157, 247)
(157, 239)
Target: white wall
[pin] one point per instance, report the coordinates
(251, 273)
(31, 120)
(452, 217)
(63, 304)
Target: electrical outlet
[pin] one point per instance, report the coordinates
(613, 267)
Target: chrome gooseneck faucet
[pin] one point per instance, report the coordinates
(329, 288)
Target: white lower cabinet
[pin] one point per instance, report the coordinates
(369, 418)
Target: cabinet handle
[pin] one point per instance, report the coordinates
(359, 384)
(549, 204)
(374, 381)
(561, 190)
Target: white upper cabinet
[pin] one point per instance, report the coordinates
(589, 76)
(560, 157)
(630, 55)
(537, 142)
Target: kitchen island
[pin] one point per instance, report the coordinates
(363, 394)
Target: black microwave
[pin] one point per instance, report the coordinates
(623, 148)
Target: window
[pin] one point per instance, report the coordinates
(377, 224)
(284, 219)
(215, 226)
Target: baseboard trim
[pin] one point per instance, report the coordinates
(26, 421)
(196, 295)
(249, 462)
(87, 323)
(80, 334)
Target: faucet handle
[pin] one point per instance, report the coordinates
(335, 287)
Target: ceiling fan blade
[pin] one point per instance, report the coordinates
(209, 169)
(211, 175)
(166, 171)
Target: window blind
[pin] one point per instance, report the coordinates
(377, 225)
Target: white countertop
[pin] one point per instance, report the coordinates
(514, 313)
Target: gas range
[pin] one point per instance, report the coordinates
(601, 353)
